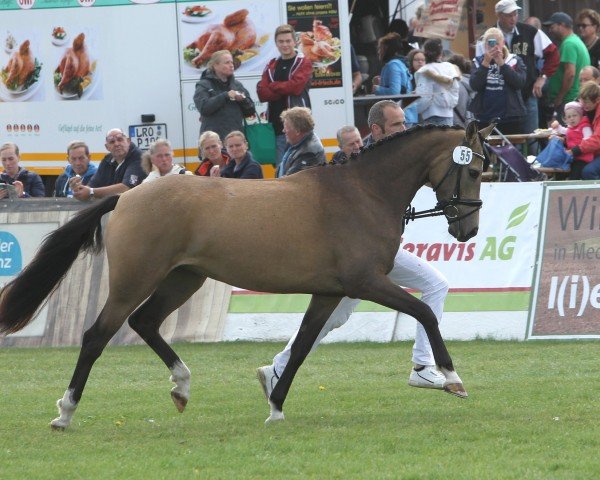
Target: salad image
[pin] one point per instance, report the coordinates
(59, 36)
(196, 12)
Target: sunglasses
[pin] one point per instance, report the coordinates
(584, 25)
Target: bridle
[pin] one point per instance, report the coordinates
(461, 157)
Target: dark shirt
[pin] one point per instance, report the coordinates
(33, 186)
(249, 168)
(282, 74)
(130, 172)
(594, 52)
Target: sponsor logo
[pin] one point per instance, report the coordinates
(493, 248)
(573, 293)
(26, 4)
(11, 260)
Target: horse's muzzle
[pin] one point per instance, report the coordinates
(463, 237)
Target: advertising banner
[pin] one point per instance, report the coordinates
(123, 70)
(18, 244)
(317, 26)
(244, 28)
(566, 296)
(500, 257)
(440, 19)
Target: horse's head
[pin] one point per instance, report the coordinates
(457, 188)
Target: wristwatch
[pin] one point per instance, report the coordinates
(544, 76)
(91, 193)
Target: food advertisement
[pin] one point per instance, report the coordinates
(244, 28)
(21, 67)
(317, 26)
(75, 74)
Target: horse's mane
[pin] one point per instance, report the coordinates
(405, 133)
(409, 132)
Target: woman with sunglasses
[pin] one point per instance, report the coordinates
(588, 23)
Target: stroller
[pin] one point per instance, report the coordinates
(512, 166)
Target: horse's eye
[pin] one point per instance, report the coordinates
(474, 173)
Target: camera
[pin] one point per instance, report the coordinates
(492, 42)
(7, 180)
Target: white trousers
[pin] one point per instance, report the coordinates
(409, 271)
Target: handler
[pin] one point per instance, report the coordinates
(385, 118)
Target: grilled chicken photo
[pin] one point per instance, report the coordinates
(20, 66)
(75, 63)
(237, 32)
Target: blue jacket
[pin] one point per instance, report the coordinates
(61, 188)
(396, 80)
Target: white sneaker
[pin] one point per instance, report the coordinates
(267, 378)
(427, 377)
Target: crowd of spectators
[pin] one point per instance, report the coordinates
(521, 78)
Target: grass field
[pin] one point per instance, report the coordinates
(533, 413)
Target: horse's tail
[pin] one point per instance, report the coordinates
(21, 297)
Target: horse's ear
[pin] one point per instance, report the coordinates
(487, 130)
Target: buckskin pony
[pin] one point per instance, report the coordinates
(329, 231)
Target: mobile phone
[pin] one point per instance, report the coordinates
(492, 42)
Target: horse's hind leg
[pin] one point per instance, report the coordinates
(381, 290)
(109, 321)
(179, 285)
(319, 310)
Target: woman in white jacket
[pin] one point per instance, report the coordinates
(158, 161)
(438, 85)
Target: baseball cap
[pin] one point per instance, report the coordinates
(507, 6)
(559, 17)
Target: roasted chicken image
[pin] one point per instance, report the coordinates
(237, 32)
(75, 63)
(20, 65)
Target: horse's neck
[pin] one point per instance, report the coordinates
(396, 170)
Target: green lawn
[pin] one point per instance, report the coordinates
(533, 413)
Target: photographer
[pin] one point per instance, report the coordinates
(27, 184)
(498, 79)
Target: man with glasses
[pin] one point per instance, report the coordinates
(564, 84)
(118, 172)
(410, 271)
(534, 47)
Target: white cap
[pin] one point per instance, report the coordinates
(507, 6)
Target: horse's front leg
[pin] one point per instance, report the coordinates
(319, 310)
(381, 290)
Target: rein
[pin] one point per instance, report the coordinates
(461, 157)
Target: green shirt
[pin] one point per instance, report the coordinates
(572, 50)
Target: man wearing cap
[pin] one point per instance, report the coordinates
(564, 84)
(532, 45)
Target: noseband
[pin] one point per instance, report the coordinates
(461, 156)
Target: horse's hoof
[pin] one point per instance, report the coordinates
(456, 389)
(179, 401)
(57, 426)
(275, 417)
(276, 414)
